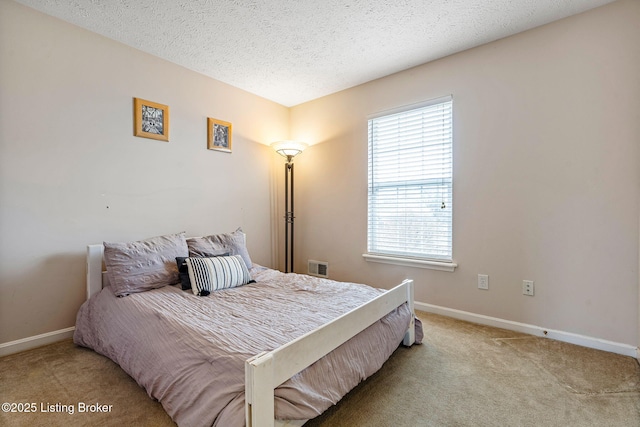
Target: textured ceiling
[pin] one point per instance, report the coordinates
(292, 51)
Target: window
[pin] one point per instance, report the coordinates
(410, 183)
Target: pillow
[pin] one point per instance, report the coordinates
(214, 273)
(234, 243)
(183, 271)
(143, 265)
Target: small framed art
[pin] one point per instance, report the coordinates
(218, 135)
(151, 120)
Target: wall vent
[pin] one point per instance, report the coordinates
(318, 268)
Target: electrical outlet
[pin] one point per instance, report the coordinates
(527, 287)
(483, 281)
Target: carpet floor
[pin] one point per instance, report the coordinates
(463, 375)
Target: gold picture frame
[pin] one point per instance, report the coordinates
(219, 135)
(151, 120)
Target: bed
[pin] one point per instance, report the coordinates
(278, 350)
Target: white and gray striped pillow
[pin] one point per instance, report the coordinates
(222, 272)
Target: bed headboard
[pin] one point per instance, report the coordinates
(96, 277)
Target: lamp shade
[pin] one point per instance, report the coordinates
(289, 149)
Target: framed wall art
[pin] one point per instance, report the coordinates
(151, 120)
(218, 135)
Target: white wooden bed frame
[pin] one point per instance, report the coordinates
(267, 370)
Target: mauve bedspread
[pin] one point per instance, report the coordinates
(188, 352)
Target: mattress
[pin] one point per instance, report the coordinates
(188, 352)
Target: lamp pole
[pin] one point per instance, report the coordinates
(288, 216)
(288, 149)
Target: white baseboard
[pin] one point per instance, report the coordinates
(596, 343)
(28, 343)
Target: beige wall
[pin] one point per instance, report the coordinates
(546, 175)
(547, 170)
(72, 173)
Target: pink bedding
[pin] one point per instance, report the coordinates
(188, 352)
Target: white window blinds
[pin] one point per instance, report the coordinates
(410, 182)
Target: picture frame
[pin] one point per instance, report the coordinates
(151, 120)
(219, 135)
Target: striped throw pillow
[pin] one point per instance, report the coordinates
(222, 272)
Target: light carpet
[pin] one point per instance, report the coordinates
(463, 375)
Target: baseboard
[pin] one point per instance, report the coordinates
(596, 343)
(28, 343)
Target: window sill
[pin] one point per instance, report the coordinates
(411, 262)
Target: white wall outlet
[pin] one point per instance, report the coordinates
(527, 287)
(483, 281)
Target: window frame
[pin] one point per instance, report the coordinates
(404, 259)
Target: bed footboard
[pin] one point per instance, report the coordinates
(266, 371)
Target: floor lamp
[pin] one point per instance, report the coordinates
(288, 149)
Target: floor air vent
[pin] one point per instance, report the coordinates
(318, 268)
